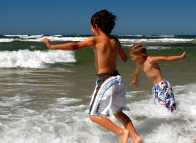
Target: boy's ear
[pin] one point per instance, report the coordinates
(95, 26)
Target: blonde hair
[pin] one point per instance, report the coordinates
(138, 49)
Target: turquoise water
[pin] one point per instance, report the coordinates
(45, 94)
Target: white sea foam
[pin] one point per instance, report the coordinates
(157, 124)
(65, 120)
(34, 59)
(55, 38)
(185, 98)
(145, 39)
(39, 38)
(160, 47)
(58, 123)
(7, 40)
(25, 36)
(162, 40)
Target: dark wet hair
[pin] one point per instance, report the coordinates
(105, 20)
(138, 49)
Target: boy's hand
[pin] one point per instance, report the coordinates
(135, 83)
(183, 55)
(47, 42)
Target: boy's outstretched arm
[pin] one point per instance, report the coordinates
(71, 45)
(174, 58)
(135, 82)
(157, 59)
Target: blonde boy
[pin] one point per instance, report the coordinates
(162, 90)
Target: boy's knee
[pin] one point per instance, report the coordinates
(96, 118)
(118, 114)
(92, 117)
(122, 116)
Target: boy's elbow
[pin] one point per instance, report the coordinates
(124, 58)
(76, 46)
(51, 47)
(71, 46)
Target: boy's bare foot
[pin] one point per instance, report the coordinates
(124, 137)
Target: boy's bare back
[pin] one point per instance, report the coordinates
(107, 49)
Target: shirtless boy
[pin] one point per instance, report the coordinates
(162, 90)
(109, 92)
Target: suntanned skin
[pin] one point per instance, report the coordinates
(150, 66)
(106, 50)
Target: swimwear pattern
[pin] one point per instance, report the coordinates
(163, 94)
(111, 95)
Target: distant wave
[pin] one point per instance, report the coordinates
(148, 39)
(39, 38)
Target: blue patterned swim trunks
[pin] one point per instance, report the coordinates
(163, 94)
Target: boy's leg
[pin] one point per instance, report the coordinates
(127, 123)
(108, 124)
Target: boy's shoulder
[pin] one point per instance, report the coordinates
(105, 38)
(108, 37)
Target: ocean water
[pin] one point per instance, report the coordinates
(45, 94)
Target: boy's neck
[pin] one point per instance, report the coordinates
(101, 34)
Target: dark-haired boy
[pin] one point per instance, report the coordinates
(110, 90)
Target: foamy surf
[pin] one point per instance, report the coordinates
(124, 39)
(31, 119)
(158, 125)
(34, 59)
(44, 99)
(58, 122)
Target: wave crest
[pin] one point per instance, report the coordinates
(34, 59)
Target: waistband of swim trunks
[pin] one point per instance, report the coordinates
(157, 84)
(115, 73)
